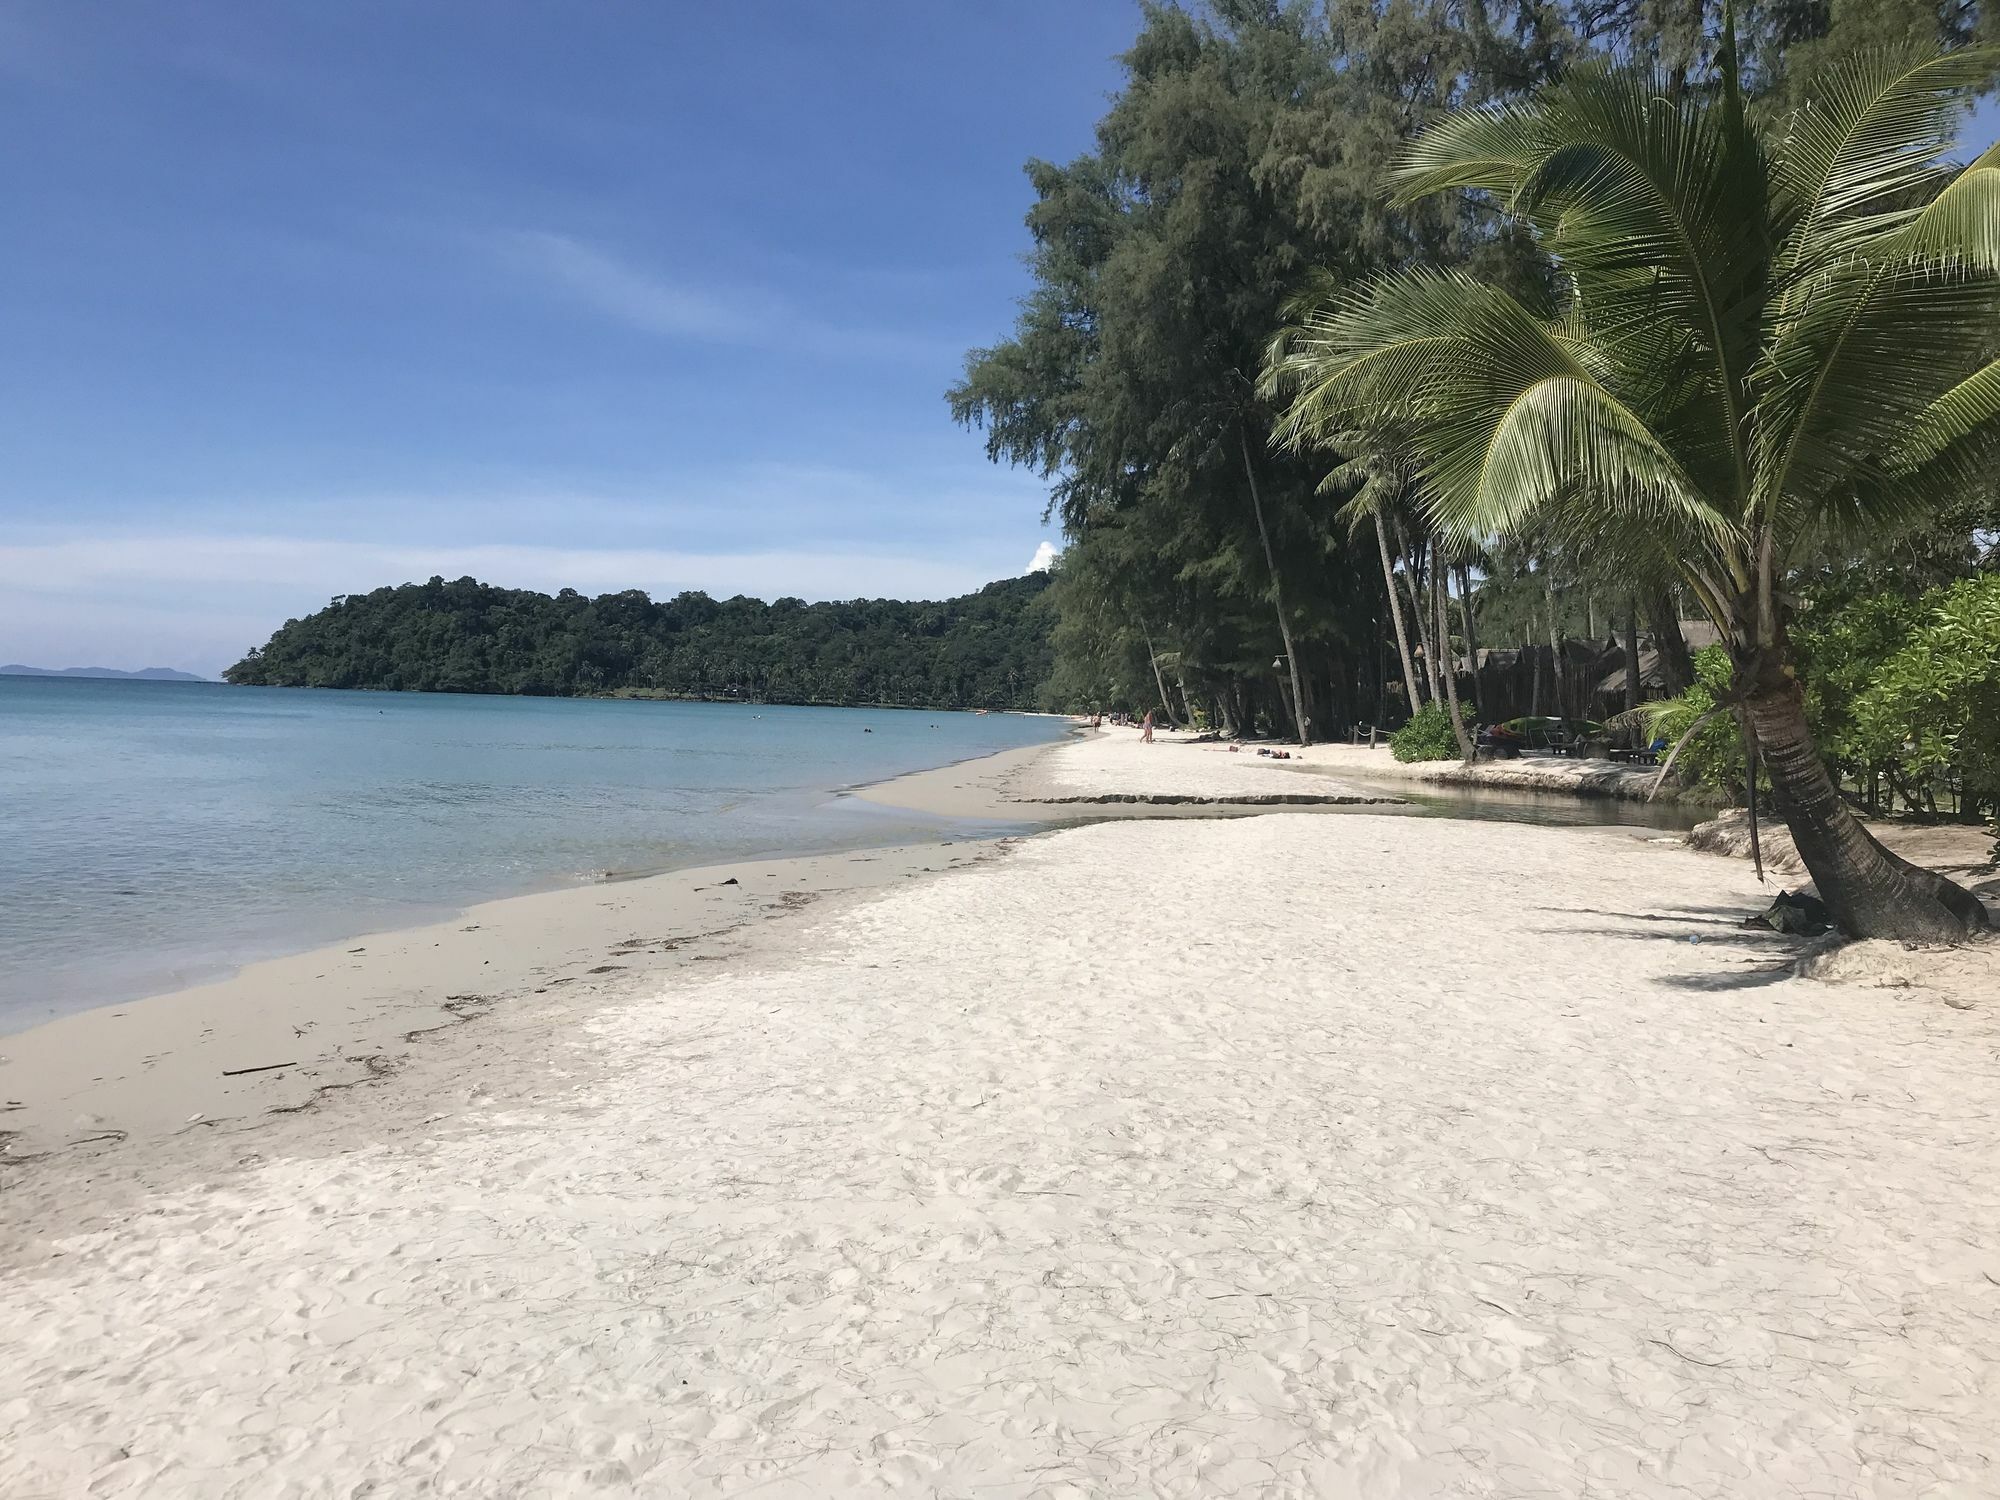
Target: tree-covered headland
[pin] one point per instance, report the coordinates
(984, 650)
(1374, 342)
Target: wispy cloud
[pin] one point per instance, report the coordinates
(654, 302)
(305, 564)
(627, 294)
(917, 503)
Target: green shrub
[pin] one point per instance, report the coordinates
(1715, 756)
(1427, 736)
(1843, 638)
(1933, 708)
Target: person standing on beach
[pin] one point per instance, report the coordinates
(1146, 737)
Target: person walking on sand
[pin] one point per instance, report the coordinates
(1146, 729)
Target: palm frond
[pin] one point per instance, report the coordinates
(1539, 433)
(1873, 131)
(1655, 213)
(1968, 410)
(1369, 359)
(1492, 149)
(1849, 376)
(1950, 451)
(1961, 224)
(1376, 495)
(1504, 412)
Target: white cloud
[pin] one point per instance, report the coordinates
(198, 602)
(294, 564)
(133, 593)
(1044, 558)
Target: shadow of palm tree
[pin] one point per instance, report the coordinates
(1743, 979)
(1710, 927)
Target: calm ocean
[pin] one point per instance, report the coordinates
(157, 834)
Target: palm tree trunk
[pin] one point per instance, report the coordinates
(1380, 674)
(1471, 634)
(1555, 643)
(1299, 719)
(1159, 681)
(1426, 618)
(1749, 729)
(1396, 612)
(1632, 684)
(1441, 591)
(1868, 891)
(1414, 575)
(1676, 661)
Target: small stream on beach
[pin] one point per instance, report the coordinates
(1545, 809)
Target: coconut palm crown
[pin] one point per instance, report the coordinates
(1764, 341)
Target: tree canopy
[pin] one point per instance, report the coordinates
(1769, 342)
(1245, 164)
(1603, 311)
(984, 650)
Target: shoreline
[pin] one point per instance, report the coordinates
(1146, 1154)
(278, 1034)
(1027, 785)
(173, 970)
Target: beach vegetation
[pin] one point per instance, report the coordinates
(1240, 153)
(1907, 695)
(1697, 723)
(1241, 163)
(989, 650)
(1427, 736)
(1766, 337)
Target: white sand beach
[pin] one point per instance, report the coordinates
(1110, 769)
(1113, 766)
(1116, 765)
(1299, 1154)
(286, 1033)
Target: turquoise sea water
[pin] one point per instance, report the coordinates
(157, 834)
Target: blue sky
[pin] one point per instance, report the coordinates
(304, 298)
(308, 298)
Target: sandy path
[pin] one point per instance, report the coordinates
(1289, 1156)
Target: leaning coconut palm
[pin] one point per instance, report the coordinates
(1769, 339)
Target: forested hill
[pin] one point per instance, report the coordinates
(985, 650)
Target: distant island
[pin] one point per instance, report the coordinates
(990, 649)
(144, 674)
